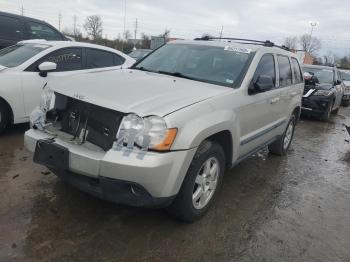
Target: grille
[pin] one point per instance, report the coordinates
(86, 121)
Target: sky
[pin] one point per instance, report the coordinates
(254, 19)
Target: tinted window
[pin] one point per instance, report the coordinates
(298, 78)
(218, 65)
(266, 66)
(10, 28)
(118, 60)
(285, 71)
(42, 31)
(67, 59)
(15, 55)
(98, 58)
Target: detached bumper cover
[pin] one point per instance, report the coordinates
(159, 174)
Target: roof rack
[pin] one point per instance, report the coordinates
(267, 43)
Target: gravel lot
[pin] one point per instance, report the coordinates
(293, 208)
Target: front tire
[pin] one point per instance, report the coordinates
(201, 184)
(4, 116)
(346, 103)
(281, 146)
(327, 115)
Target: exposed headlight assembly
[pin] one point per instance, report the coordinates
(38, 116)
(323, 93)
(47, 99)
(147, 133)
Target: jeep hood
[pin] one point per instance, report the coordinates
(134, 91)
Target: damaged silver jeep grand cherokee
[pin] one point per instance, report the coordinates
(162, 133)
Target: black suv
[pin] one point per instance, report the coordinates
(15, 28)
(323, 91)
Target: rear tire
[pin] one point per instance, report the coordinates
(201, 184)
(4, 116)
(281, 146)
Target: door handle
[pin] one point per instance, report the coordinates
(274, 100)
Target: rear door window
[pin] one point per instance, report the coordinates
(11, 28)
(98, 58)
(285, 71)
(266, 67)
(298, 77)
(67, 59)
(42, 31)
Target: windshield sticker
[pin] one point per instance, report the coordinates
(230, 81)
(237, 49)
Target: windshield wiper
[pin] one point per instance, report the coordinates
(177, 74)
(141, 68)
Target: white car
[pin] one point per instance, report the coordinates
(21, 82)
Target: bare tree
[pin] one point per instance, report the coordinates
(291, 42)
(93, 26)
(310, 44)
(127, 34)
(166, 33)
(146, 41)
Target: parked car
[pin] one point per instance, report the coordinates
(323, 91)
(15, 28)
(162, 133)
(21, 83)
(345, 76)
(138, 54)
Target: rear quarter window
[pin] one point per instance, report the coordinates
(298, 77)
(285, 71)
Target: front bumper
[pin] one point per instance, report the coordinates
(158, 175)
(315, 104)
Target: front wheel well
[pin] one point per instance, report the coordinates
(297, 112)
(224, 139)
(9, 109)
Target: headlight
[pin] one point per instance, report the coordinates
(147, 133)
(46, 101)
(323, 93)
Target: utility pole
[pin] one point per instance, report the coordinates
(59, 21)
(75, 26)
(313, 25)
(135, 33)
(124, 35)
(222, 30)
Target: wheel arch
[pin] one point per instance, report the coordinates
(9, 109)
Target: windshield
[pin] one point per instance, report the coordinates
(345, 76)
(211, 64)
(323, 75)
(15, 55)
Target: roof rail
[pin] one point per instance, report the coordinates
(267, 43)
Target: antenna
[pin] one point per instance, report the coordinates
(59, 21)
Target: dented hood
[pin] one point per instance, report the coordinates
(134, 91)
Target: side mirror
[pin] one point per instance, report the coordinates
(338, 82)
(46, 67)
(263, 83)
